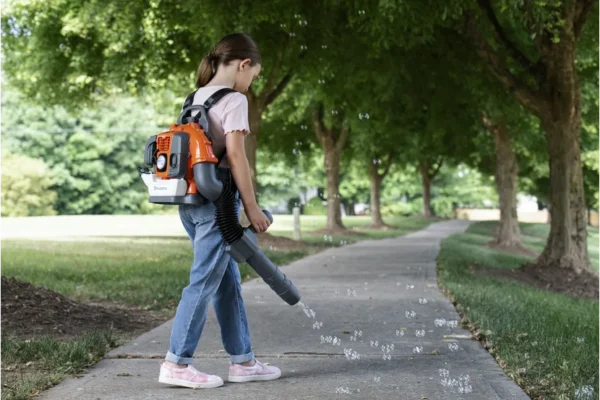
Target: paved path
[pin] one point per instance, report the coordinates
(377, 272)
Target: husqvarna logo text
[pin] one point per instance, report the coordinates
(160, 188)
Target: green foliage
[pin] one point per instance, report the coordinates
(26, 184)
(92, 156)
(315, 206)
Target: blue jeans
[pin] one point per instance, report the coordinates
(214, 274)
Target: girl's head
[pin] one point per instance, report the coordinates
(234, 59)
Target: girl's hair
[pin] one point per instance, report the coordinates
(236, 46)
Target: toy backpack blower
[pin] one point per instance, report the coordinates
(185, 172)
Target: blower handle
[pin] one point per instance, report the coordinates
(268, 214)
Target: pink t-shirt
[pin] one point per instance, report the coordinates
(227, 115)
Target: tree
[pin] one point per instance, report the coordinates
(74, 53)
(536, 50)
(541, 72)
(506, 174)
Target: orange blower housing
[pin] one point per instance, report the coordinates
(173, 154)
(182, 158)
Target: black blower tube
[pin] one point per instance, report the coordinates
(242, 242)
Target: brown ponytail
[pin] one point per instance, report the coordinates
(236, 46)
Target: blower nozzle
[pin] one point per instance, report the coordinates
(242, 243)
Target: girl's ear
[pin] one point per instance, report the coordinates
(245, 63)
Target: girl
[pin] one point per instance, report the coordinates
(234, 63)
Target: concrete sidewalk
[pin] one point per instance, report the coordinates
(362, 293)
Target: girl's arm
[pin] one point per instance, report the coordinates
(240, 168)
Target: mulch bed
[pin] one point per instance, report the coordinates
(282, 243)
(556, 280)
(30, 312)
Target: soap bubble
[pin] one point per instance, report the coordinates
(365, 115)
(410, 314)
(321, 81)
(351, 292)
(361, 12)
(585, 392)
(303, 47)
(580, 340)
(282, 25)
(461, 384)
(453, 346)
(317, 325)
(336, 292)
(439, 322)
(387, 357)
(342, 389)
(351, 354)
(292, 34)
(452, 324)
(418, 349)
(422, 300)
(303, 127)
(420, 333)
(444, 373)
(376, 161)
(408, 286)
(374, 343)
(399, 332)
(377, 379)
(334, 112)
(303, 22)
(324, 46)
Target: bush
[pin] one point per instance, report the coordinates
(315, 206)
(402, 208)
(25, 187)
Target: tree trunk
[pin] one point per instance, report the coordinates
(556, 100)
(332, 172)
(332, 140)
(426, 179)
(507, 170)
(376, 219)
(566, 246)
(560, 116)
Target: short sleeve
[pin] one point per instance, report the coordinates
(235, 114)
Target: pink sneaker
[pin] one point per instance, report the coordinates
(257, 372)
(188, 377)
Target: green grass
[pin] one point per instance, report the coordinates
(534, 237)
(148, 272)
(556, 363)
(29, 366)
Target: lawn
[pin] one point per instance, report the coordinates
(547, 342)
(147, 272)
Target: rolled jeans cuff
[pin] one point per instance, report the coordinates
(238, 359)
(178, 360)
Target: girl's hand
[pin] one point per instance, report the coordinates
(260, 222)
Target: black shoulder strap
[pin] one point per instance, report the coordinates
(216, 96)
(202, 116)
